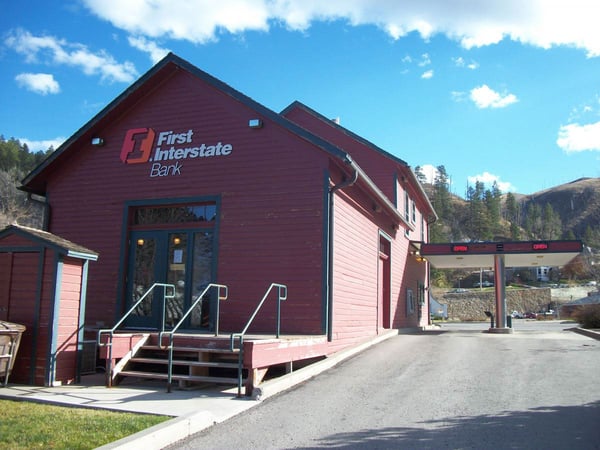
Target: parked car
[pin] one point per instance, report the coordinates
(530, 315)
(484, 284)
(516, 315)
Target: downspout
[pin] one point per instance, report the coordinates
(332, 190)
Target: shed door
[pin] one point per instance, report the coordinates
(182, 258)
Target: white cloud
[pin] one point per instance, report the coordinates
(485, 97)
(51, 50)
(155, 52)
(579, 138)
(488, 180)
(460, 62)
(541, 23)
(427, 75)
(40, 83)
(425, 60)
(42, 146)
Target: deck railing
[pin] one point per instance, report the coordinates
(222, 292)
(111, 331)
(281, 296)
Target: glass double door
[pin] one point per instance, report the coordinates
(182, 258)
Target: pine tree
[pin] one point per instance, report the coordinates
(15, 161)
(479, 228)
(441, 193)
(551, 223)
(420, 175)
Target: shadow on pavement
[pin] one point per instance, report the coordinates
(555, 427)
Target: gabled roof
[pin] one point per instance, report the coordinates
(356, 137)
(406, 168)
(34, 182)
(157, 75)
(47, 239)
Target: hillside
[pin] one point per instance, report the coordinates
(577, 203)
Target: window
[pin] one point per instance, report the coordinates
(410, 302)
(421, 293)
(156, 215)
(414, 211)
(406, 206)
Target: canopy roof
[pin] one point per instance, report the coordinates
(516, 254)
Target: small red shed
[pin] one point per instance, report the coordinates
(43, 281)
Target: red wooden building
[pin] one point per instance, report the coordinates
(186, 181)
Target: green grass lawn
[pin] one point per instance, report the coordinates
(28, 425)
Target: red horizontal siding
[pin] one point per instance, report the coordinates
(383, 170)
(380, 168)
(355, 265)
(271, 190)
(22, 308)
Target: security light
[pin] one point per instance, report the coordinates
(255, 123)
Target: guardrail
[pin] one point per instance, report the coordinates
(281, 296)
(111, 331)
(172, 331)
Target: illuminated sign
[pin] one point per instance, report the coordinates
(460, 248)
(142, 145)
(539, 246)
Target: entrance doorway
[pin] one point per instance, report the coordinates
(383, 285)
(172, 254)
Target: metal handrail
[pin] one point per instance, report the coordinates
(281, 296)
(111, 331)
(172, 331)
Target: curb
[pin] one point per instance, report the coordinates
(277, 385)
(171, 431)
(164, 434)
(589, 333)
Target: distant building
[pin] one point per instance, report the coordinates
(542, 273)
(568, 309)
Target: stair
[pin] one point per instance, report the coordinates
(191, 365)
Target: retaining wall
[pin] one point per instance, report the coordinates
(471, 305)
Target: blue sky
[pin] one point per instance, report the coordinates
(493, 90)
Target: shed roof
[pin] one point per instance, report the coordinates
(47, 239)
(591, 299)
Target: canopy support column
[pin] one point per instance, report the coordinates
(500, 291)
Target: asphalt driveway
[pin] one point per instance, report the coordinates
(458, 387)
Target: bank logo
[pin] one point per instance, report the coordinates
(167, 150)
(145, 148)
